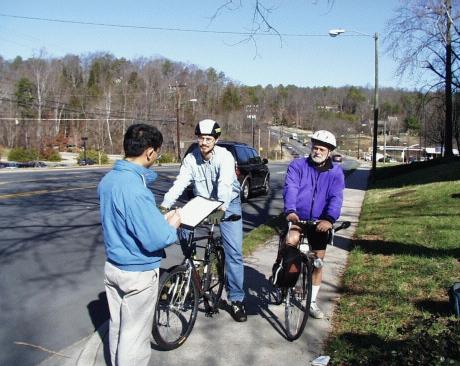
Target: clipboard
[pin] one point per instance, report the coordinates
(196, 210)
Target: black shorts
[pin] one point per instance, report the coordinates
(317, 240)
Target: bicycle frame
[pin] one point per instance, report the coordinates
(182, 286)
(190, 252)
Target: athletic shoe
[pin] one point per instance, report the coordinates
(238, 311)
(315, 311)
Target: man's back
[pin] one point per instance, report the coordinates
(134, 233)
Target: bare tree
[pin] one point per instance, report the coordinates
(41, 70)
(425, 35)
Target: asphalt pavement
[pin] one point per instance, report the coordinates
(259, 341)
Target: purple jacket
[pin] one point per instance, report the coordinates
(313, 193)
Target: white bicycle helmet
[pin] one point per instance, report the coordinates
(208, 127)
(325, 138)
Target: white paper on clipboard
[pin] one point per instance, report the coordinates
(197, 209)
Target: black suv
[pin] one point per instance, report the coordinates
(250, 168)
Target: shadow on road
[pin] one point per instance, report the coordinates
(259, 295)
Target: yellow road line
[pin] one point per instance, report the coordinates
(46, 191)
(29, 181)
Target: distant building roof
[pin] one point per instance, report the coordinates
(437, 150)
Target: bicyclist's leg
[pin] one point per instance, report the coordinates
(318, 243)
(232, 238)
(317, 275)
(293, 236)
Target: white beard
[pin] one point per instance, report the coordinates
(318, 159)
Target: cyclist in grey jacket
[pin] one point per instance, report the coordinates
(313, 191)
(211, 169)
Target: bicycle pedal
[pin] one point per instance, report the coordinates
(210, 313)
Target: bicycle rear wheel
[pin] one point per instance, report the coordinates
(297, 306)
(176, 308)
(214, 279)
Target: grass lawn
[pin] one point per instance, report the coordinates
(394, 308)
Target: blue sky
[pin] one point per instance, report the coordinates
(315, 60)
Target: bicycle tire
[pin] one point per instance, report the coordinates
(297, 305)
(214, 279)
(176, 308)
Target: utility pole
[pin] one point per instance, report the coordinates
(359, 138)
(268, 142)
(258, 151)
(251, 111)
(176, 89)
(84, 139)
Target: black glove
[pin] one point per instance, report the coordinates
(162, 209)
(216, 216)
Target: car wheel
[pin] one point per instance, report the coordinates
(245, 191)
(266, 186)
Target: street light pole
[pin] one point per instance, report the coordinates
(376, 105)
(335, 33)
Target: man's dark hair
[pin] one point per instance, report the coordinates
(140, 137)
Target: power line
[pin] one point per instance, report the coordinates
(101, 114)
(169, 29)
(63, 119)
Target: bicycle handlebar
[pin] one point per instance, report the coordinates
(336, 227)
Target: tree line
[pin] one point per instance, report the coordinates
(52, 103)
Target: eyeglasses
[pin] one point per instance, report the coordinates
(206, 139)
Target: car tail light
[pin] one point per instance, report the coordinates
(237, 171)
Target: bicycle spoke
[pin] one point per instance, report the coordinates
(297, 304)
(176, 309)
(214, 279)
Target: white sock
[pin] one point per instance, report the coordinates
(314, 292)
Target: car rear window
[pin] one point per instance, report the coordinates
(243, 154)
(254, 157)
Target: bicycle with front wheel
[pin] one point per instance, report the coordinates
(297, 298)
(182, 287)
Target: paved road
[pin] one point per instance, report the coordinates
(220, 341)
(51, 256)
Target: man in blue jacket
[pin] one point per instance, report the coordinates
(313, 191)
(135, 235)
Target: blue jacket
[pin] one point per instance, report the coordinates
(135, 231)
(314, 193)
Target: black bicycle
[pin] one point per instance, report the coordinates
(297, 298)
(182, 287)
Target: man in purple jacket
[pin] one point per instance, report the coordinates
(313, 190)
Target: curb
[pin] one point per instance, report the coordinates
(88, 355)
